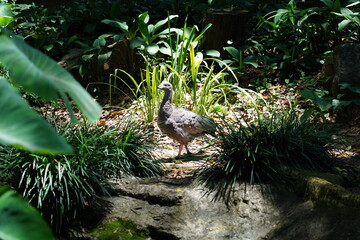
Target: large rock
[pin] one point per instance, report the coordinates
(164, 209)
(343, 67)
(186, 212)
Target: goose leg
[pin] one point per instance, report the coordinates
(187, 149)
(180, 149)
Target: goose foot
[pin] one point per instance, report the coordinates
(180, 150)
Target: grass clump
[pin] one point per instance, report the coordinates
(61, 186)
(265, 151)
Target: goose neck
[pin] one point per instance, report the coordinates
(166, 101)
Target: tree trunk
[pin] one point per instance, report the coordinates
(228, 28)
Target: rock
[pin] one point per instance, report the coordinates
(343, 67)
(323, 193)
(170, 208)
(186, 212)
(173, 209)
(305, 221)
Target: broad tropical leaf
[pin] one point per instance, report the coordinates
(19, 220)
(122, 25)
(233, 52)
(6, 15)
(323, 103)
(343, 24)
(22, 126)
(39, 74)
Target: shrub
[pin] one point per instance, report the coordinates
(264, 152)
(62, 185)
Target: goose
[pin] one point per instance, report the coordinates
(181, 124)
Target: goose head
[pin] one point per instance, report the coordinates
(165, 86)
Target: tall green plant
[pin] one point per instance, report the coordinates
(184, 59)
(351, 17)
(146, 93)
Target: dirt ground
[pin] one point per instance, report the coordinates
(347, 161)
(345, 132)
(346, 135)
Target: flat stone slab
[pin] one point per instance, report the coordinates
(183, 210)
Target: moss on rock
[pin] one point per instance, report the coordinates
(322, 192)
(324, 189)
(120, 230)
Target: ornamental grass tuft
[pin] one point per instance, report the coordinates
(264, 151)
(61, 186)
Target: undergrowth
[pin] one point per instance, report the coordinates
(61, 186)
(264, 151)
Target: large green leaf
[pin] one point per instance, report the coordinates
(333, 5)
(6, 15)
(122, 25)
(39, 74)
(22, 126)
(163, 22)
(233, 52)
(20, 221)
(343, 24)
(152, 49)
(323, 103)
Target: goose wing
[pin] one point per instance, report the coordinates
(193, 123)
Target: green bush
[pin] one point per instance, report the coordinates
(62, 185)
(291, 37)
(264, 152)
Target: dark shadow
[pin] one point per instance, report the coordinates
(201, 155)
(89, 218)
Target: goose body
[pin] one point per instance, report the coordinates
(181, 124)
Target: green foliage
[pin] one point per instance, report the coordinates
(61, 186)
(238, 58)
(185, 65)
(264, 152)
(187, 68)
(117, 151)
(36, 73)
(78, 23)
(19, 220)
(185, 60)
(44, 76)
(138, 35)
(146, 93)
(23, 127)
(290, 41)
(6, 15)
(326, 102)
(351, 18)
(225, 4)
(52, 30)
